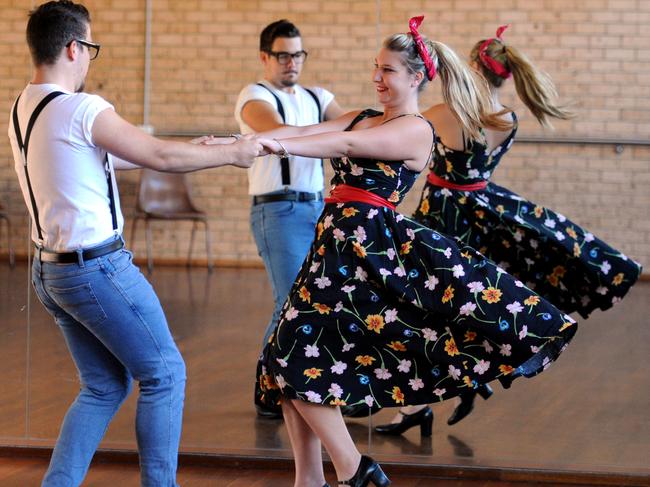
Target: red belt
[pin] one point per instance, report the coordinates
(438, 181)
(344, 193)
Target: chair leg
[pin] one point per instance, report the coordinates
(189, 253)
(208, 245)
(147, 231)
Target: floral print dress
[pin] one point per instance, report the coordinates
(557, 258)
(388, 312)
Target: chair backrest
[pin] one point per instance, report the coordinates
(164, 193)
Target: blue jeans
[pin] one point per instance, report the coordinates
(283, 232)
(116, 331)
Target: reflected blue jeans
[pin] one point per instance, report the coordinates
(283, 232)
(116, 331)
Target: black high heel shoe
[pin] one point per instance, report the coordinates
(423, 417)
(467, 403)
(368, 471)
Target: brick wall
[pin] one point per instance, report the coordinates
(203, 52)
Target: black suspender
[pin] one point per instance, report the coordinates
(24, 147)
(284, 161)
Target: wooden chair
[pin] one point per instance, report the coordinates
(166, 196)
(4, 217)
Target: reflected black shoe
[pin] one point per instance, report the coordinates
(467, 403)
(368, 471)
(267, 412)
(424, 418)
(359, 410)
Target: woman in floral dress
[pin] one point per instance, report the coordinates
(552, 255)
(386, 311)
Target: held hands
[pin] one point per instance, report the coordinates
(250, 147)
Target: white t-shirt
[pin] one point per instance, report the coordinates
(300, 109)
(66, 169)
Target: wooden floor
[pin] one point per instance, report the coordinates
(590, 412)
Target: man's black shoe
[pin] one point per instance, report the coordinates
(263, 411)
(360, 410)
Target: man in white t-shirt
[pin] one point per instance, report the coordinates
(287, 194)
(109, 314)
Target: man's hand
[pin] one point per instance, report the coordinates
(247, 148)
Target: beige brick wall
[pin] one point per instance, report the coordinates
(204, 51)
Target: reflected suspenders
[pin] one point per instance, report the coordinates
(284, 161)
(25, 146)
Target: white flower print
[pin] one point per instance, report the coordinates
(431, 283)
(518, 283)
(373, 212)
(515, 307)
(356, 170)
(496, 151)
(369, 400)
(447, 252)
(430, 334)
(327, 222)
(602, 290)
(339, 234)
(439, 392)
(500, 270)
(399, 271)
(360, 234)
(382, 373)
(281, 361)
(482, 367)
(322, 282)
(338, 307)
(505, 350)
(348, 346)
(473, 173)
(475, 287)
(559, 235)
(338, 367)
(561, 217)
(348, 289)
(589, 237)
(529, 261)
(385, 272)
(416, 384)
(533, 243)
(458, 270)
(279, 380)
(314, 267)
(550, 223)
(312, 351)
(605, 267)
(411, 233)
(454, 373)
(467, 309)
(404, 366)
(291, 313)
(360, 274)
(399, 217)
(518, 236)
(335, 390)
(616, 299)
(523, 332)
(486, 345)
(519, 220)
(313, 396)
(534, 349)
(391, 315)
(486, 175)
(445, 192)
(390, 253)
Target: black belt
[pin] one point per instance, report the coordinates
(288, 196)
(73, 257)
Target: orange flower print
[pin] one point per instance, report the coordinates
(480, 213)
(394, 197)
(559, 271)
(506, 369)
(359, 249)
(398, 395)
(469, 336)
(531, 301)
(397, 346)
(388, 171)
(500, 209)
(571, 233)
(492, 295)
(553, 280)
(451, 348)
(462, 200)
(424, 206)
(467, 255)
(539, 211)
(505, 243)
(348, 212)
(321, 250)
(450, 166)
(320, 228)
(468, 381)
(312, 373)
(576, 250)
(338, 402)
(566, 325)
(267, 383)
(304, 294)
(618, 278)
(406, 248)
(448, 294)
(375, 323)
(322, 308)
(365, 359)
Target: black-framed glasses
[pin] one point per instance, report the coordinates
(93, 49)
(283, 57)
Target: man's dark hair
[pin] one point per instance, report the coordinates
(279, 28)
(52, 26)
